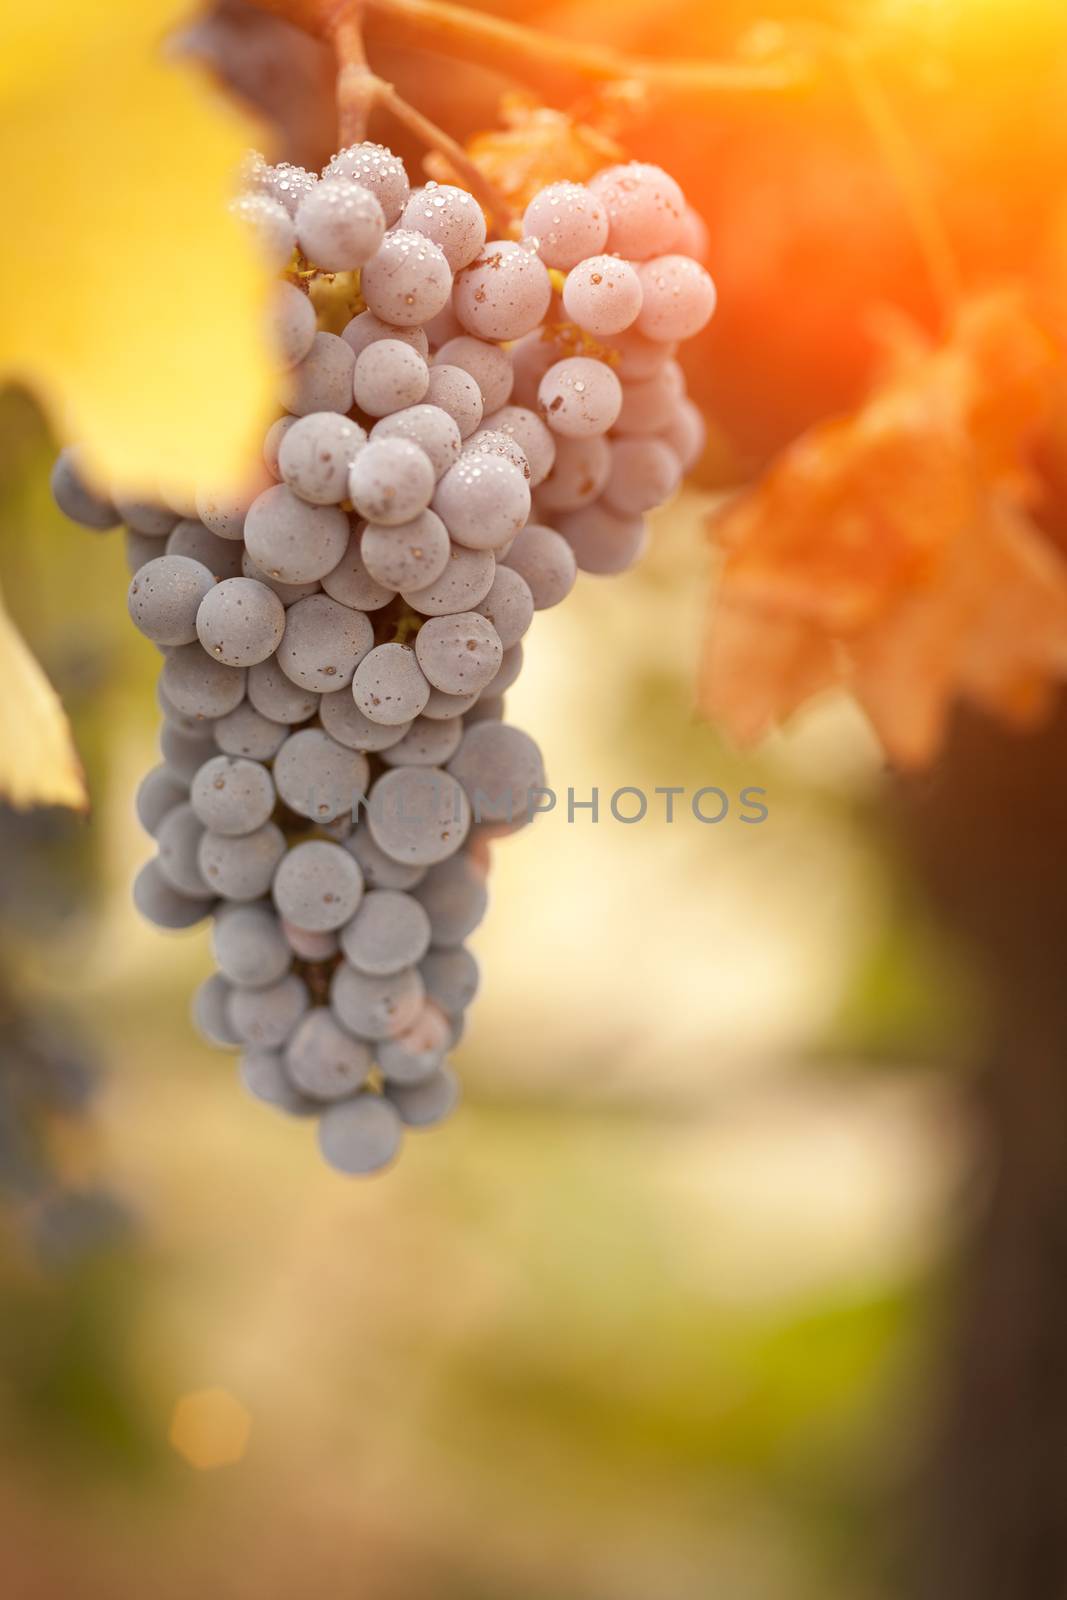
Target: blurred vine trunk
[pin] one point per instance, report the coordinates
(989, 830)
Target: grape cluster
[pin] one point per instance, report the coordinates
(337, 640)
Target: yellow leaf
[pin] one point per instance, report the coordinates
(38, 762)
(130, 301)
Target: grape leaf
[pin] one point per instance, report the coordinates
(130, 301)
(38, 762)
(897, 551)
(537, 146)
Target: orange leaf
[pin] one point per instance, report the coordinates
(894, 550)
(537, 147)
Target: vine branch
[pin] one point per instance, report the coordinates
(517, 50)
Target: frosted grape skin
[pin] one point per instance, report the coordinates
(345, 722)
(431, 428)
(222, 557)
(579, 397)
(412, 555)
(185, 753)
(146, 517)
(686, 434)
(389, 932)
(487, 364)
(504, 293)
(375, 168)
(449, 216)
(74, 496)
(645, 473)
(266, 1017)
(199, 685)
(160, 790)
(162, 905)
(389, 686)
(245, 732)
(360, 1135)
(366, 327)
(319, 778)
(294, 541)
(323, 643)
(164, 598)
(603, 543)
(579, 474)
(322, 1060)
(249, 946)
(429, 742)
(483, 501)
(351, 584)
(316, 453)
(277, 697)
(291, 324)
(679, 298)
(379, 870)
(376, 1007)
(499, 767)
(232, 795)
(339, 225)
(454, 896)
(418, 815)
(645, 208)
(242, 868)
(418, 1052)
(408, 281)
(389, 376)
(536, 442)
(240, 622)
(459, 653)
(270, 225)
(210, 1013)
(177, 840)
(603, 295)
(568, 223)
(450, 978)
(465, 581)
(649, 402)
(425, 1102)
(391, 481)
(508, 606)
(322, 381)
(263, 1075)
(317, 886)
(457, 393)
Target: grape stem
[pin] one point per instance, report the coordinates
(356, 83)
(473, 178)
(359, 90)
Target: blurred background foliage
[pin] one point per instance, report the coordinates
(655, 1313)
(649, 1315)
